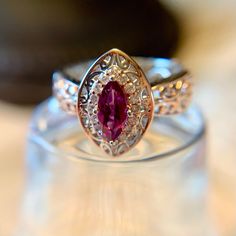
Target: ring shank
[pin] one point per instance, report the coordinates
(171, 84)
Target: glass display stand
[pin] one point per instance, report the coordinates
(73, 189)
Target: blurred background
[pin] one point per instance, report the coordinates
(37, 37)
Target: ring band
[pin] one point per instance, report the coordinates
(161, 87)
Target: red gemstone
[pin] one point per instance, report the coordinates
(112, 110)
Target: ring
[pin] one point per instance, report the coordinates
(115, 101)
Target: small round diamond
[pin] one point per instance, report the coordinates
(134, 99)
(93, 98)
(123, 79)
(129, 88)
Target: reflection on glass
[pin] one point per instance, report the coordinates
(159, 188)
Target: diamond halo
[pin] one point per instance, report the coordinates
(118, 68)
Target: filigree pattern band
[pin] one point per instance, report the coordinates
(171, 85)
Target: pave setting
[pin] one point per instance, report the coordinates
(115, 103)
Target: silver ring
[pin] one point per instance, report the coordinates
(115, 100)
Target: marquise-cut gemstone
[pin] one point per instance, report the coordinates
(112, 110)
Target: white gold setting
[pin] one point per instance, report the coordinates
(166, 92)
(116, 66)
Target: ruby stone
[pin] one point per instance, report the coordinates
(112, 110)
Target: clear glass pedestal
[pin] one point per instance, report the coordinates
(73, 189)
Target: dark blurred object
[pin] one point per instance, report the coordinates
(38, 36)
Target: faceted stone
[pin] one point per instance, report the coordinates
(112, 110)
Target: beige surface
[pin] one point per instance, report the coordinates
(13, 126)
(209, 50)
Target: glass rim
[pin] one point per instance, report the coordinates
(195, 137)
